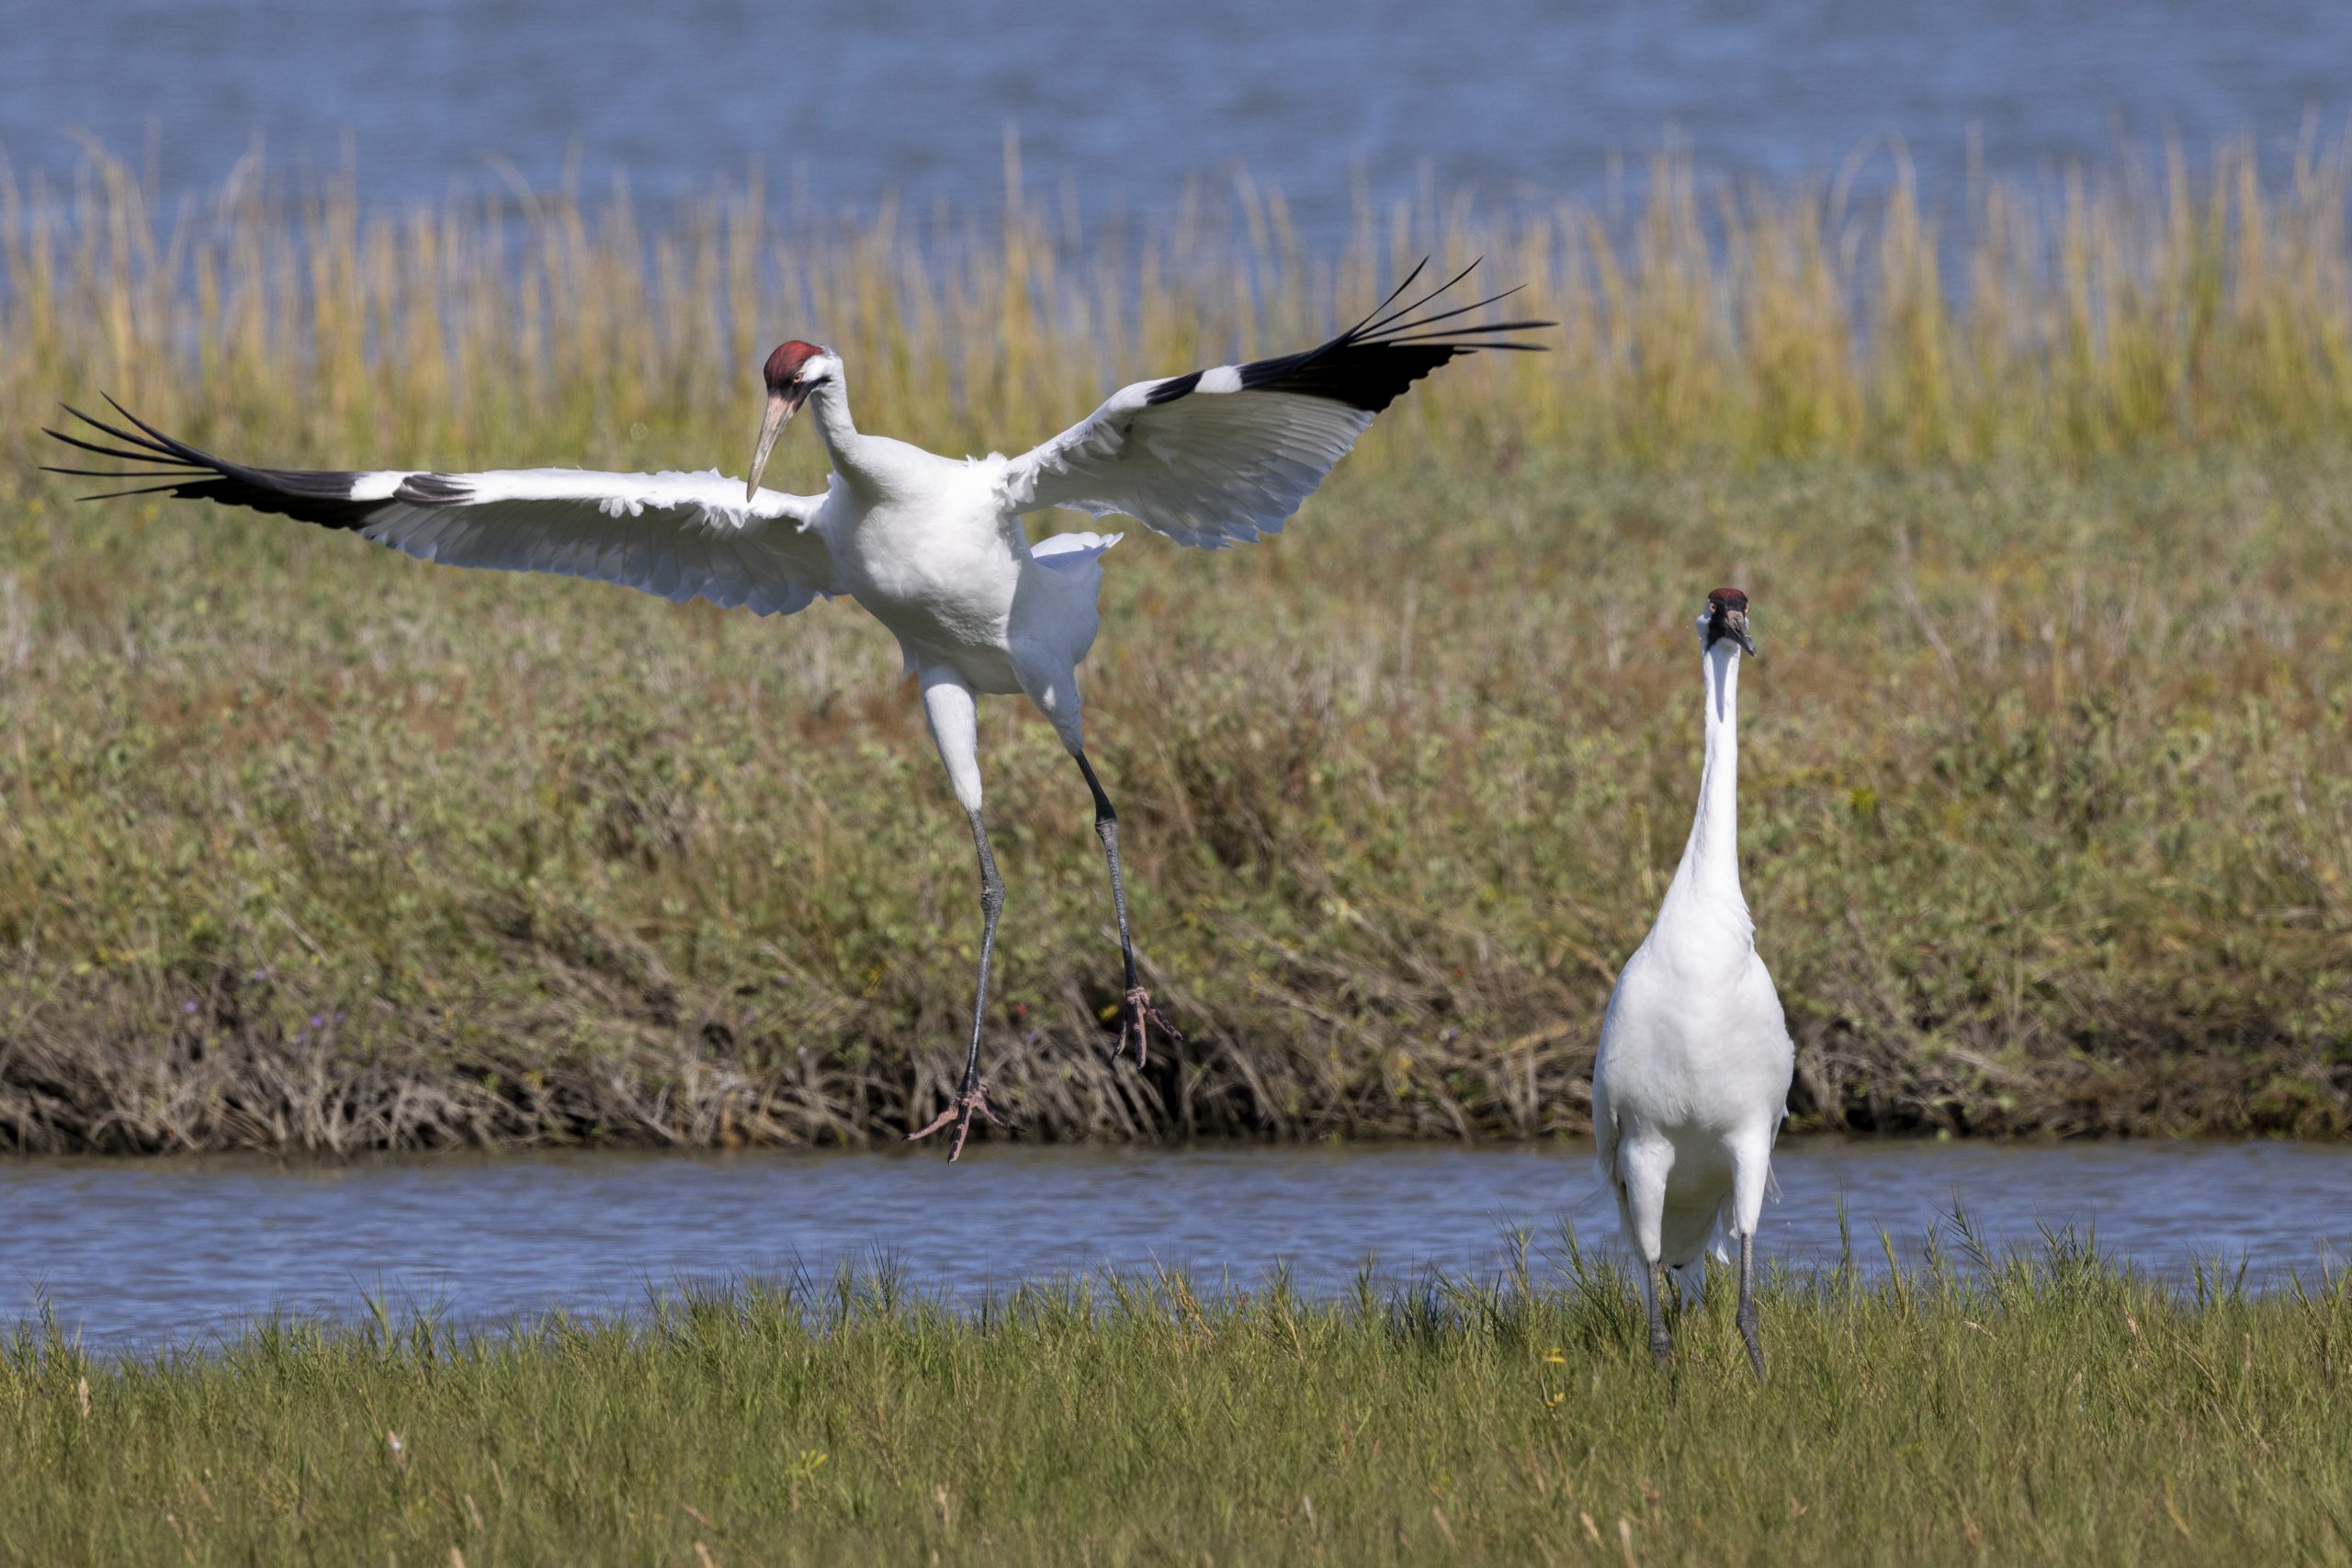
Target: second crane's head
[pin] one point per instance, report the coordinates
(1726, 619)
(793, 372)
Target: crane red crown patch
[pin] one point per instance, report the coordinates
(1729, 598)
(787, 359)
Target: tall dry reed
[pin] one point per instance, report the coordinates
(2139, 309)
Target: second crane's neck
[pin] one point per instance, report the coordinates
(1708, 879)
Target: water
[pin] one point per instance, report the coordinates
(1513, 99)
(179, 1251)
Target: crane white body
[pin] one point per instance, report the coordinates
(934, 549)
(1691, 1081)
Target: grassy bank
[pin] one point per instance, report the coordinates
(2047, 788)
(2050, 1411)
(2047, 793)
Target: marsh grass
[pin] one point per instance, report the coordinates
(2108, 311)
(2037, 1408)
(2047, 780)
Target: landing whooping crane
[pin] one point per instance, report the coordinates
(933, 547)
(1691, 1082)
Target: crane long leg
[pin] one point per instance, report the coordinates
(1137, 1015)
(971, 1096)
(1661, 1344)
(947, 705)
(992, 905)
(1745, 1317)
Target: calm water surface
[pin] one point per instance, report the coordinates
(141, 1253)
(1512, 99)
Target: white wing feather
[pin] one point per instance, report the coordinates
(676, 536)
(1211, 468)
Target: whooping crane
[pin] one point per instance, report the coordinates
(1691, 1081)
(933, 546)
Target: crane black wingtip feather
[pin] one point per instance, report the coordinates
(1390, 329)
(180, 449)
(151, 449)
(117, 494)
(1381, 325)
(115, 474)
(1418, 268)
(139, 454)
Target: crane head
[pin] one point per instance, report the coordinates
(795, 370)
(1726, 616)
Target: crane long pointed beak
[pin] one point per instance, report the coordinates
(782, 406)
(1736, 627)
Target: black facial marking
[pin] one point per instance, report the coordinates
(1727, 617)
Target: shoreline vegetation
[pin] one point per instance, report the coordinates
(2045, 507)
(2038, 1407)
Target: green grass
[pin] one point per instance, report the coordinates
(2049, 1410)
(2047, 780)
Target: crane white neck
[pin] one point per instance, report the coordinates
(1708, 879)
(828, 406)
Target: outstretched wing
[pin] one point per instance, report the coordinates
(1220, 456)
(678, 536)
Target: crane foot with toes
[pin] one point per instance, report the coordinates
(1137, 1018)
(970, 1101)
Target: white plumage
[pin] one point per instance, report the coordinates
(1691, 1081)
(1207, 469)
(933, 546)
(679, 537)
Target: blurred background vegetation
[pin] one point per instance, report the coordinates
(2047, 774)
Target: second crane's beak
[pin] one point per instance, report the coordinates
(782, 406)
(1735, 628)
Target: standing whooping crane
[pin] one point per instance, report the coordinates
(933, 547)
(1691, 1082)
